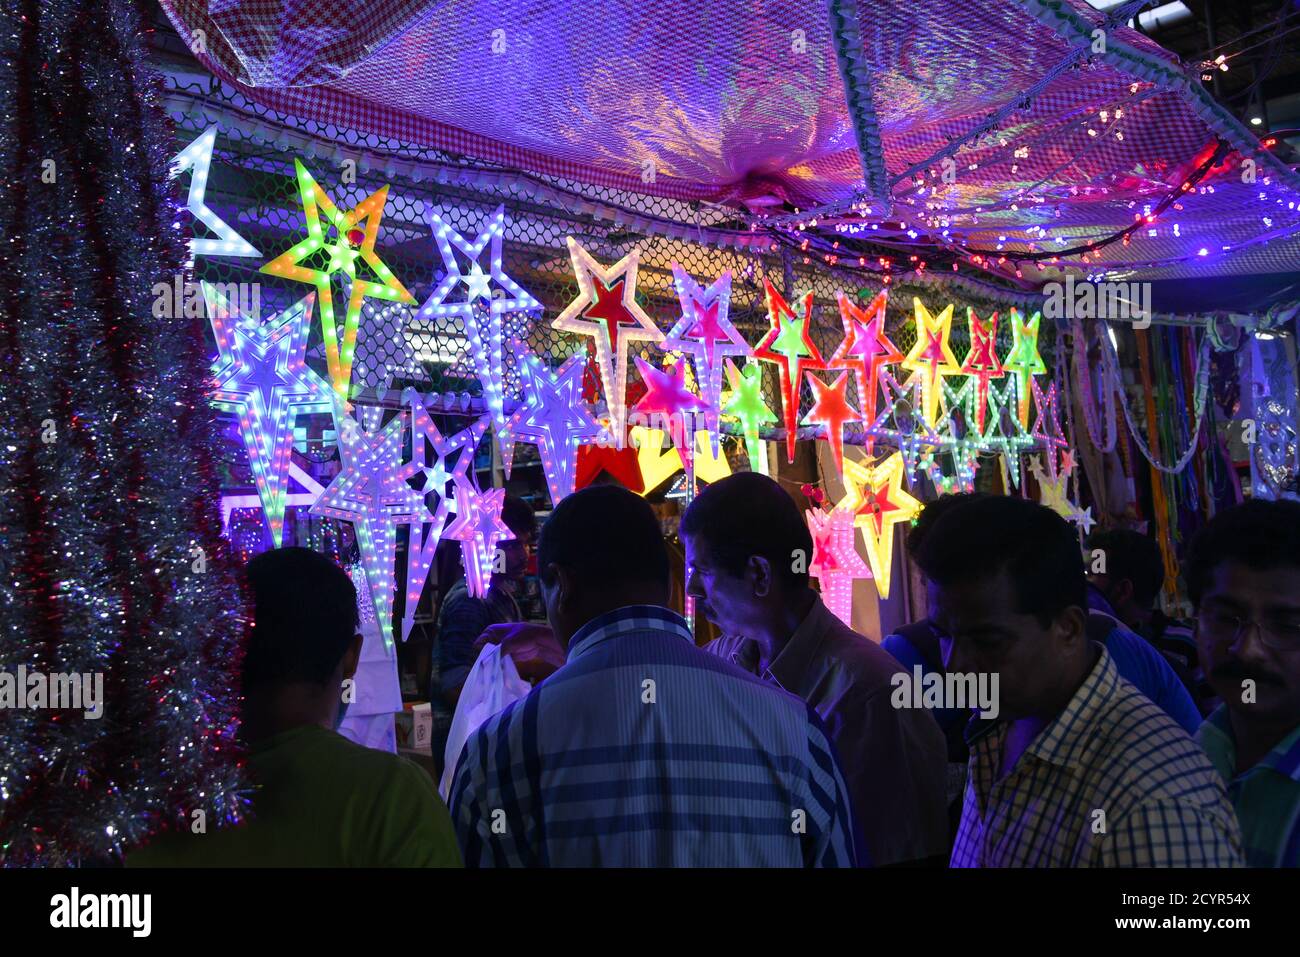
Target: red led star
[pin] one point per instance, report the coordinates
(865, 349)
(982, 362)
(788, 346)
(831, 408)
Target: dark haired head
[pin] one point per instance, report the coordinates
(1134, 557)
(605, 535)
(304, 618)
(518, 516)
(749, 514)
(983, 536)
(931, 514)
(1258, 534)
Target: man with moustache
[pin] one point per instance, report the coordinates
(1243, 576)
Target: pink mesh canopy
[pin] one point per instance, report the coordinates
(990, 128)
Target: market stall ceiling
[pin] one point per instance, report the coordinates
(745, 104)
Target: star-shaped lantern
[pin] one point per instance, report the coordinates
(348, 243)
(835, 559)
(706, 333)
(745, 403)
(469, 292)
(831, 408)
(1024, 361)
(553, 417)
(669, 401)
(1047, 427)
(479, 530)
(606, 310)
(865, 350)
(982, 363)
(787, 345)
(372, 492)
(877, 502)
(931, 357)
(261, 375)
(197, 157)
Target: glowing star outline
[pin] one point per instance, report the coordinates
(931, 356)
(865, 349)
(787, 345)
(835, 559)
(1024, 361)
(1047, 426)
(981, 362)
(485, 344)
(197, 158)
(875, 515)
(619, 281)
(338, 351)
(667, 395)
(745, 404)
(261, 375)
(831, 409)
(479, 529)
(426, 536)
(372, 492)
(995, 434)
(705, 333)
(552, 417)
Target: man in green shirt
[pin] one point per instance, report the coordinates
(1243, 576)
(319, 799)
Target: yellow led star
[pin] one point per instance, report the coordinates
(931, 357)
(342, 258)
(657, 465)
(877, 502)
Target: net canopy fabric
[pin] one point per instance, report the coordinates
(1007, 132)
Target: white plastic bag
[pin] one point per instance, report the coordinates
(492, 685)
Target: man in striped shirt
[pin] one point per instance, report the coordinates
(1080, 769)
(643, 750)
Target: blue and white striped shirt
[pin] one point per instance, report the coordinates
(644, 750)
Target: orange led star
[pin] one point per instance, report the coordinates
(787, 346)
(876, 499)
(831, 408)
(865, 350)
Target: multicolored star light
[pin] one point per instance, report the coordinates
(261, 375)
(981, 362)
(1024, 361)
(553, 417)
(787, 346)
(877, 502)
(668, 398)
(342, 259)
(865, 350)
(931, 357)
(835, 559)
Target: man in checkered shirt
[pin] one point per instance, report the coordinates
(1079, 769)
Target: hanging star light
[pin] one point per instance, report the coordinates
(1003, 433)
(342, 259)
(372, 492)
(606, 310)
(1047, 427)
(553, 417)
(745, 403)
(479, 530)
(667, 398)
(787, 346)
(656, 465)
(899, 423)
(705, 332)
(480, 310)
(877, 502)
(431, 452)
(197, 157)
(831, 408)
(1024, 361)
(835, 559)
(982, 363)
(865, 350)
(261, 375)
(931, 357)
(1053, 494)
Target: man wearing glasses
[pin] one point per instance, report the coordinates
(1243, 575)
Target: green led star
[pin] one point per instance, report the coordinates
(745, 403)
(1023, 360)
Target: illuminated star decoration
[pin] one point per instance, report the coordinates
(197, 157)
(831, 408)
(431, 452)
(982, 363)
(865, 350)
(787, 345)
(706, 333)
(1004, 433)
(835, 559)
(745, 403)
(371, 491)
(1047, 428)
(553, 417)
(1023, 361)
(901, 423)
(479, 530)
(342, 259)
(667, 397)
(480, 311)
(606, 310)
(656, 465)
(931, 357)
(1052, 493)
(382, 349)
(877, 502)
(261, 375)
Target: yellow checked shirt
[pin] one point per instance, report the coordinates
(1112, 781)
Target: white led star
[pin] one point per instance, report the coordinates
(198, 157)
